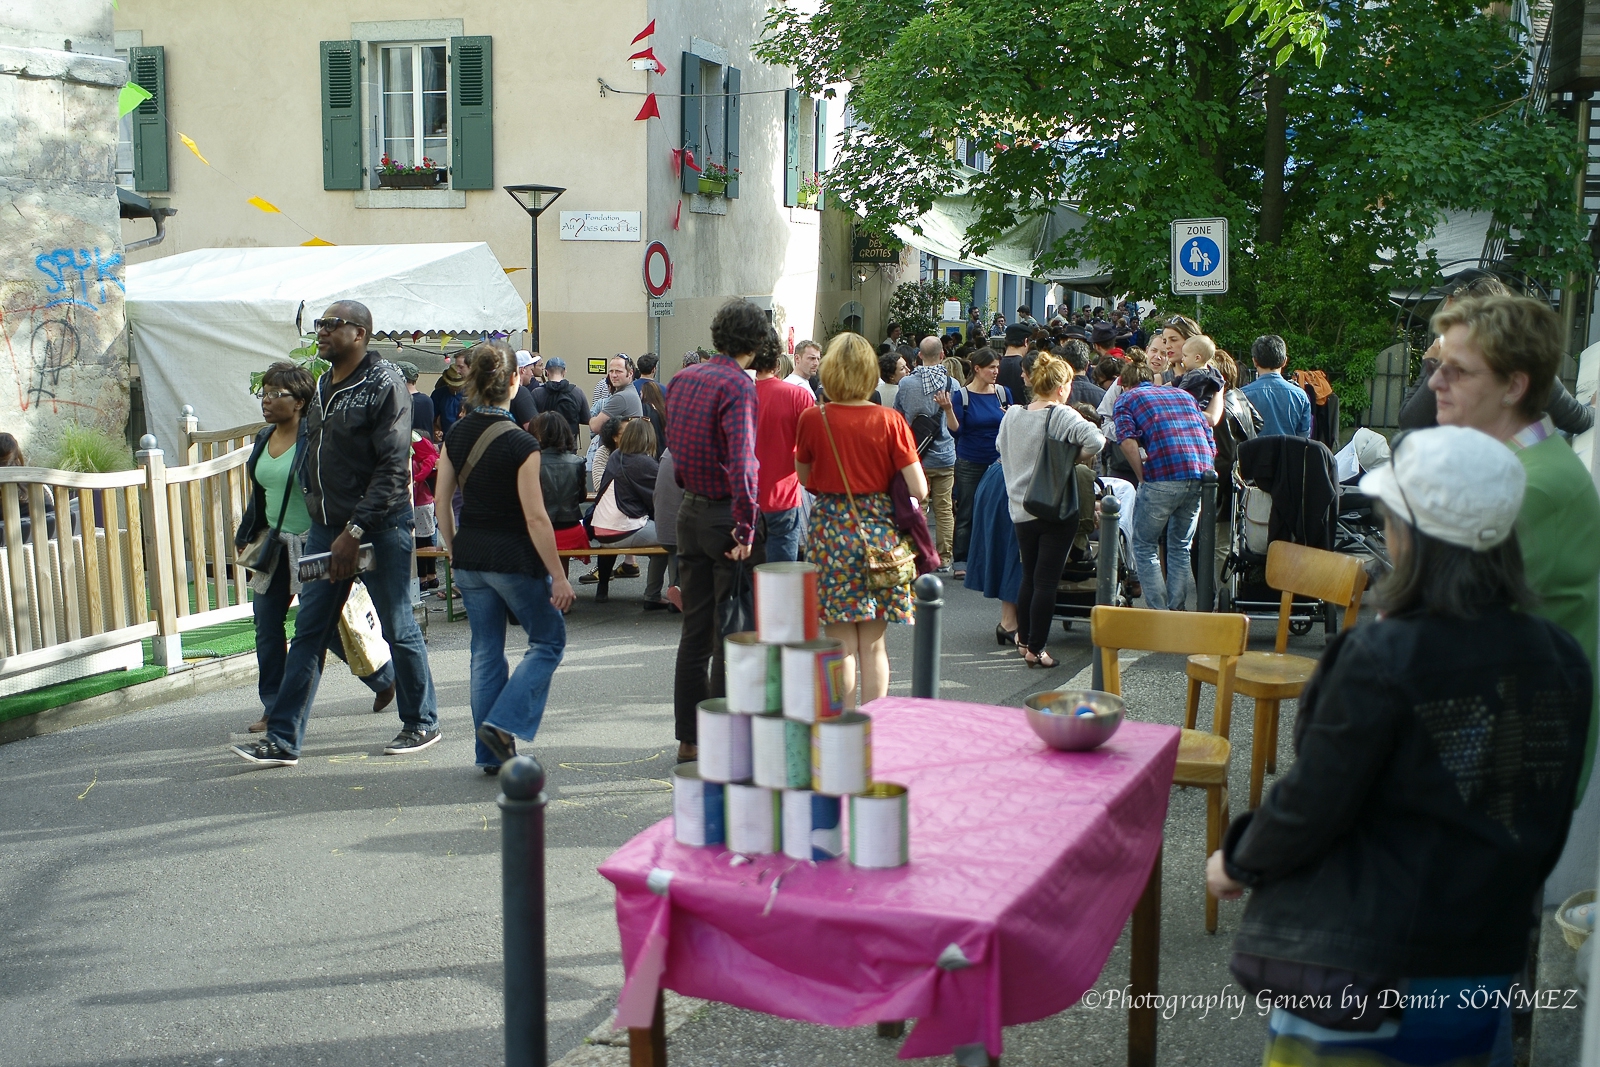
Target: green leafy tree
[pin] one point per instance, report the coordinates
(1333, 141)
(918, 306)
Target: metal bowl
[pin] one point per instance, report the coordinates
(1053, 716)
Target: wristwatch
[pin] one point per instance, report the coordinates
(353, 530)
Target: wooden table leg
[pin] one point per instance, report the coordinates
(1144, 971)
(647, 1047)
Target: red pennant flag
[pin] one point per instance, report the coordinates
(650, 110)
(646, 32)
(650, 54)
(688, 158)
(677, 162)
(677, 215)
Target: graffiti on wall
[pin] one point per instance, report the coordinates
(75, 283)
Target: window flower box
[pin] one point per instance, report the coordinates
(713, 187)
(428, 179)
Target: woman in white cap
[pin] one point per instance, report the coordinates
(1438, 751)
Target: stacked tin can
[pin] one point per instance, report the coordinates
(779, 753)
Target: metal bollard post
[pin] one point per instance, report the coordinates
(1205, 545)
(522, 892)
(1106, 571)
(929, 592)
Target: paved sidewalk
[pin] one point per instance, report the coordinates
(170, 905)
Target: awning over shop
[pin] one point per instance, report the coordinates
(203, 321)
(944, 230)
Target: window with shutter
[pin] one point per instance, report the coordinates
(341, 115)
(471, 113)
(791, 151)
(690, 140)
(147, 68)
(731, 130)
(819, 108)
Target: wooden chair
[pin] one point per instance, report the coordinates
(1271, 677)
(1202, 758)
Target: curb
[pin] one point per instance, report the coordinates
(190, 680)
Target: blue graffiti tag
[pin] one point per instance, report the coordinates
(60, 264)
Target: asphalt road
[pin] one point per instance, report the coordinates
(169, 905)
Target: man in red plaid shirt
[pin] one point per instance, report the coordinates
(711, 431)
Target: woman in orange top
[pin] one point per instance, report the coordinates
(869, 445)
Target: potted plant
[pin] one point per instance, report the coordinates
(715, 177)
(810, 190)
(393, 174)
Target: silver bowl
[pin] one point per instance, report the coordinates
(1053, 716)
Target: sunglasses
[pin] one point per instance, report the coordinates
(332, 324)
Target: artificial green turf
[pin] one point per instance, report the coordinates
(208, 642)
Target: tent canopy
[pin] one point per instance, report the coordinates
(202, 322)
(944, 230)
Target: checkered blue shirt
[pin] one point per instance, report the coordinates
(1171, 428)
(711, 430)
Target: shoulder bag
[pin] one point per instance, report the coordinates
(1053, 490)
(886, 567)
(491, 432)
(261, 552)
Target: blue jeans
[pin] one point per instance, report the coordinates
(511, 702)
(1176, 506)
(272, 647)
(780, 532)
(389, 584)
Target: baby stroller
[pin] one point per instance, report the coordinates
(1287, 491)
(1080, 576)
(1358, 529)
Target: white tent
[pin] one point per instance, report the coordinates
(202, 322)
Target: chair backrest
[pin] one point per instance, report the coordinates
(1189, 633)
(1295, 569)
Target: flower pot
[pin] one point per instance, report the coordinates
(430, 179)
(713, 187)
(807, 199)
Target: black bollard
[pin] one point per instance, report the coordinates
(925, 658)
(1205, 545)
(522, 892)
(1106, 571)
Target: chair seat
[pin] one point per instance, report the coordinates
(1262, 675)
(1202, 759)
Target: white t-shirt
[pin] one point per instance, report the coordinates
(796, 379)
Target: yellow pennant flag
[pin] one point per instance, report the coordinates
(444, 340)
(316, 242)
(257, 202)
(512, 270)
(188, 142)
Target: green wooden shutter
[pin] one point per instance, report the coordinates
(147, 68)
(731, 128)
(819, 109)
(471, 113)
(341, 114)
(691, 120)
(791, 150)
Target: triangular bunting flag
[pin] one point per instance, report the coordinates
(188, 142)
(646, 32)
(677, 215)
(650, 110)
(131, 96)
(262, 205)
(650, 54)
(316, 242)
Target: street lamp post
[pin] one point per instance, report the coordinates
(534, 200)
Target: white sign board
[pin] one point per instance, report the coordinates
(600, 226)
(661, 307)
(1200, 256)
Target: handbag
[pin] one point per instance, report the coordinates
(886, 567)
(361, 633)
(261, 552)
(1053, 490)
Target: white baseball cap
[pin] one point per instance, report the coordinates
(525, 358)
(1453, 483)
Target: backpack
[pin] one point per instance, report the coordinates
(566, 402)
(925, 427)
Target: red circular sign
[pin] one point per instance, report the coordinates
(657, 269)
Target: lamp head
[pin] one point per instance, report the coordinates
(534, 198)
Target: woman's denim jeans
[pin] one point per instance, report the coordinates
(510, 701)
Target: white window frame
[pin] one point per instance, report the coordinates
(124, 178)
(419, 135)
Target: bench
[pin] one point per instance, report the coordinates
(565, 553)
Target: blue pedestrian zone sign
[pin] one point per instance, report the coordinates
(1200, 256)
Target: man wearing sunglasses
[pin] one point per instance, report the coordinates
(357, 479)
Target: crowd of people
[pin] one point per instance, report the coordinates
(1440, 749)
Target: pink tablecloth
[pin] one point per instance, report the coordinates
(1025, 865)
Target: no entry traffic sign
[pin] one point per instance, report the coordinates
(657, 269)
(1200, 256)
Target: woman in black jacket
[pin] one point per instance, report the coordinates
(624, 503)
(1438, 751)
